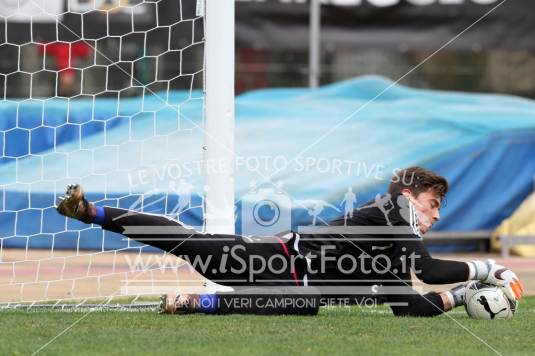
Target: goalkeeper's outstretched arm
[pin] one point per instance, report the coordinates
(436, 271)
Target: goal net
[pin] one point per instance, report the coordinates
(107, 94)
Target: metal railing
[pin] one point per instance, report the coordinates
(508, 241)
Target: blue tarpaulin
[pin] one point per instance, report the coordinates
(299, 148)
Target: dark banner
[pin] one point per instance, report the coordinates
(44, 21)
(284, 24)
(395, 24)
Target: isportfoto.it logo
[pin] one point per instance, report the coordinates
(381, 3)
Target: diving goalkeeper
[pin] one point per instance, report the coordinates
(371, 253)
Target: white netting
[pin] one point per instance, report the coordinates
(107, 94)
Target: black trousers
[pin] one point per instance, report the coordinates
(231, 260)
(243, 262)
(270, 301)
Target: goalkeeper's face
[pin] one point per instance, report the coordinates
(427, 206)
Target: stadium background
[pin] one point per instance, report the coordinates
(482, 142)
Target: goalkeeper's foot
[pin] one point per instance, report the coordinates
(74, 205)
(179, 304)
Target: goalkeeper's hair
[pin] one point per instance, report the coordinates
(418, 180)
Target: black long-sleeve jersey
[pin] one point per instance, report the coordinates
(380, 242)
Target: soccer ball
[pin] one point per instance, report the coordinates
(485, 301)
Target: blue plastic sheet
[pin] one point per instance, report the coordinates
(305, 147)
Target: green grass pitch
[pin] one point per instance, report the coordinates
(335, 331)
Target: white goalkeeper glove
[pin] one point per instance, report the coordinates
(498, 275)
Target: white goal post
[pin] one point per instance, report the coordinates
(219, 120)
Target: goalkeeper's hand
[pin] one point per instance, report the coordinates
(498, 275)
